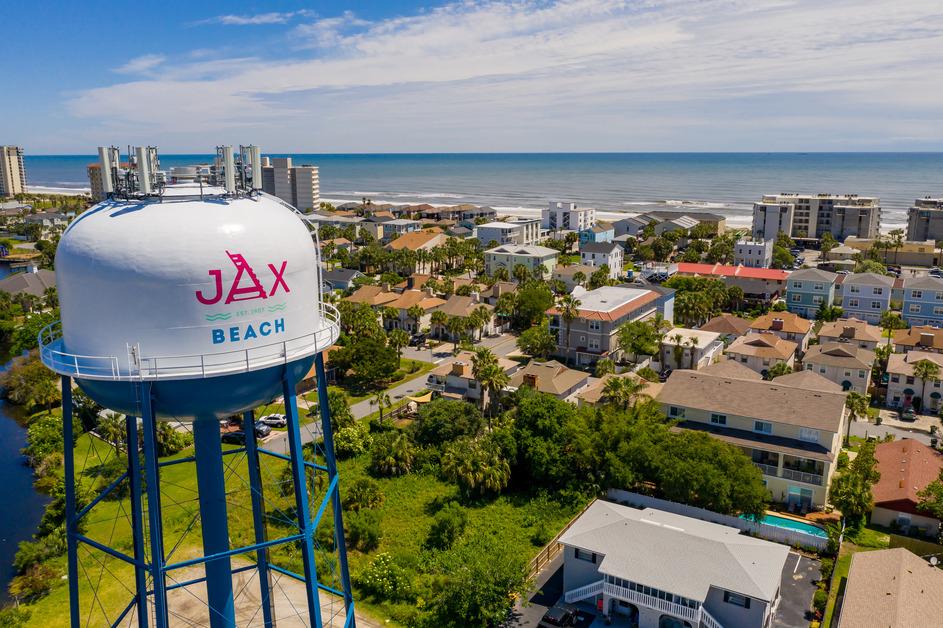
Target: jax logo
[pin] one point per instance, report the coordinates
(253, 288)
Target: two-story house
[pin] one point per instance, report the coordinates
(791, 427)
(508, 256)
(688, 349)
(786, 325)
(843, 363)
(593, 334)
(923, 301)
(853, 331)
(729, 327)
(918, 338)
(808, 289)
(905, 389)
(455, 379)
(866, 296)
(598, 254)
(573, 275)
(519, 231)
(404, 306)
(657, 569)
(762, 284)
(762, 351)
(458, 306)
(599, 232)
(549, 377)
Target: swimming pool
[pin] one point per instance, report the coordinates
(790, 524)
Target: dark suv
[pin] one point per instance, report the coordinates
(559, 615)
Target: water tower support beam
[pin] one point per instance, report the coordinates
(152, 473)
(258, 515)
(328, 432)
(211, 481)
(68, 463)
(299, 477)
(137, 518)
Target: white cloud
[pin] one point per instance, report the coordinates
(568, 75)
(141, 65)
(273, 17)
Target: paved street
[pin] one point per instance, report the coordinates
(865, 429)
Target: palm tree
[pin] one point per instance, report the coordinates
(521, 273)
(896, 240)
(500, 274)
(694, 341)
(490, 376)
(857, 405)
(677, 350)
(891, 321)
(456, 326)
(398, 339)
(439, 320)
(579, 278)
(381, 399)
(390, 314)
(569, 308)
(482, 315)
(925, 370)
(622, 391)
(415, 312)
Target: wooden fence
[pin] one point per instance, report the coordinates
(551, 549)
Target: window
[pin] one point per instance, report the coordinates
(763, 427)
(595, 325)
(808, 367)
(819, 287)
(736, 599)
(854, 289)
(584, 555)
(822, 370)
(594, 343)
(939, 296)
(719, 419)
(847, 373)
(796, 298)
(473, 384)
(938, 311)
(916, 294)
(797, 285)
(861, 374)
(816, 300)
(765, 361)
(743, 359)
(895, 379)
(852, 302)
(676, 412)
(877, 291)
(910, 380)
(808, 434)
(875, 305)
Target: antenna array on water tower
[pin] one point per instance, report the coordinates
(184, 310)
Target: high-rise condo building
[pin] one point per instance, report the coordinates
(925, 220)
(12, 171)
(810, 216)
(567, 216)
(297, 185)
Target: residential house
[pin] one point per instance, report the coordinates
(374, 296)
(549, 377)
(920, 338)
(679, 223)
(454, 379)
(508, 256)
(920, 253)
(755, 254)
(791, 427)
(384, 227)
(15, 263)
(600, 232)
(492, 295)
(339, 279)
(457, 306)
(786, 325)
(567, 216)
(843, 363)
(569, 274)
(593, 334)
(688, 349)
(633, 225)
(597, 254)
(460, 232)
(890, 588)
(519, 231)
(333, 219)
(339, 244)
(904, 389)
(763, 284)
(715, 222)
(852, 331)
(424, 240)
(866, 296)
(659, 569)
(923, 301)
(808, 289)
(407, 300)
(595, 392)
(48, 220)
(761, 352)
(34, 283)
(906, 467)
(728, 326)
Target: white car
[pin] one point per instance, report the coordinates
(274, 420)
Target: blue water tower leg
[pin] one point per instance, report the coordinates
(299, 477)
(325, 408)
(258, 515)
(68, 464)
(211, 480)
(155, 521)
(137, 518)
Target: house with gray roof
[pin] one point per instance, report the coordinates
(923, 301)
(663, 569)
(33, 283)
(808, 289)
(866, 296)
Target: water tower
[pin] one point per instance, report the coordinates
(192, 303)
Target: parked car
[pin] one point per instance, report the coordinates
(234, 438)
(262, 430)
(560, 615)
(907, 414)
(417, 341)
(274, 420)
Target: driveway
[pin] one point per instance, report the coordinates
(796, 589)
(548, 588)
(865, 429)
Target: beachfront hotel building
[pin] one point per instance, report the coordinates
(522, 231)
(810, 216)
(925, 220)
(298, 185)
(561, 216)
(12, 171)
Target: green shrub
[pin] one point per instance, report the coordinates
(447, 526)
(391, 454)
(825, 569)
(384, 579)
(363, 530)
(34, 583)
(842, 462)
(352, 440)
(14, 617)
(363, 493)
(819, 600)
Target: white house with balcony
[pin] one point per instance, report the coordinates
(683, 348)
(662, 569)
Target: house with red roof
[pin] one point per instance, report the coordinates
(906, 467)
(756, 283)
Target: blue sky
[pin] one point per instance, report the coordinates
(475, 75)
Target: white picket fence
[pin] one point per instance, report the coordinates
(762, 530)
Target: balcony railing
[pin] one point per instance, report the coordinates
(664, 606)
(801, 476)
(767, 469)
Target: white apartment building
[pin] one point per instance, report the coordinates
(683, 348)
(12, 171)
(598, 254)
(521, 231)
(510, 255)
(813, 215)
(925, 220)
(753, 253)
(298, 185)
(567, 216)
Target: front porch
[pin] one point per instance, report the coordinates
(641, 605)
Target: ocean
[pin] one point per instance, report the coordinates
(724, 183)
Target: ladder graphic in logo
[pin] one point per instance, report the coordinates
(239, 293)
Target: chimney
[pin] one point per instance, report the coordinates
(848, 332)
(530, 380)
(458, 368)
(475, 297)
(429, 292)
(410, 282)
(777, 324)
(926, 339)
(385, 287)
